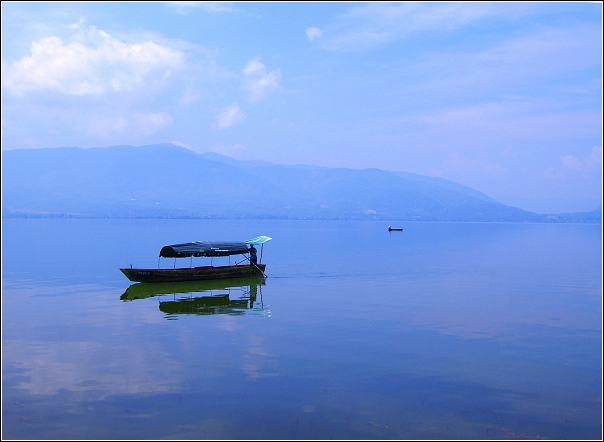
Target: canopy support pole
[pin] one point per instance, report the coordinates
(261, 249)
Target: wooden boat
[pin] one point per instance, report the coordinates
(193, 274)
(203, 249)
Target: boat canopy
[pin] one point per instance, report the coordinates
(258, 240)
(210, 248)
(204, 248)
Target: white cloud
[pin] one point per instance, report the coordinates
(99, 65)
(115, 126)
(258, 82)
(572, 166)
(514, 68)
(593, 161)
(370, 25)
(533, 119)
(232, 150)
(147, 124)
(184, 7)
(181, 144)
(570, 162)
(313, 33)
(229, 116)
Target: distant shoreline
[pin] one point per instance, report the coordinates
(548, 219)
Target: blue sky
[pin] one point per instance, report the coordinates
(503, 97)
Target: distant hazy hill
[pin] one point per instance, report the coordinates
(169, 181)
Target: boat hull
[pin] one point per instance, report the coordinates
(192, 274)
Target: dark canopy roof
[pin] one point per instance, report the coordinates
(204, 248)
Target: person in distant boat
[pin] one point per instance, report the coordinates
(253, 257)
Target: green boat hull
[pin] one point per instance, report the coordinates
(146, 290)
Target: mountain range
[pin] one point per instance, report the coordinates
(168, 181)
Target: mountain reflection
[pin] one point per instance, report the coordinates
(234, 296)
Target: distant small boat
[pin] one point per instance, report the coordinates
(203, 249)
(395, 229)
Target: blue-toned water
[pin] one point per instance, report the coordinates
(442, 331)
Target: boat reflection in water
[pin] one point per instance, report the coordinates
(233, 296)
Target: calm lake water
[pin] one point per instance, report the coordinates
(442, 331)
